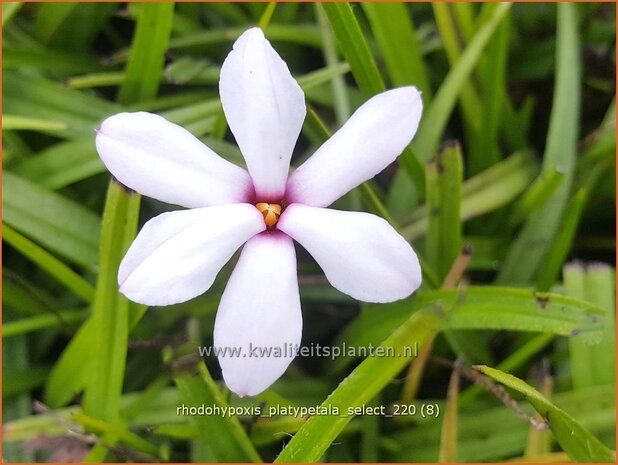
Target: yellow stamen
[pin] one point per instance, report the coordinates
(270, 211)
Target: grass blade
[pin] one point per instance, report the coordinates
(224, 435)
(147, 55)
(50, 219)
(448, 438)
(526, 253)
(443, 183)
(576, 441)
(399, 45)
(110, 320)
(49, 263)
(593, 365)
(563, 241)
(481, 307)
(369, 378)
(435, 118)
(354, 47)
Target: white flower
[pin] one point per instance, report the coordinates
(177, 255)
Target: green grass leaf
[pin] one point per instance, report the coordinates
(526, 253)
(593, 364)
(558, 251)
(223, 435)
(354, 47)
(28, 95)
(52, 220)
(443, 177)
(49, 263)
(482, 193)
(576, 441)
(399, 45)
(481, 307)
(146, 59)
(369, 378)
(9, 10)
(31, 124)
(436, 116)
(110, 312)
(39, 322)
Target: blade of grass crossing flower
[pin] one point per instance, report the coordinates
(57, 223)
(448, 438)
(443, 184)
(49, 263)
(527, 252)
(110, 318)
(368, 379)
(576, 440)
(399, 45)
(224, 435)
(592, 364)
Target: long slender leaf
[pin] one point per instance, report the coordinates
(396, 37)
(482, 307)
(443, 182)
(224, 435)
(596, 364)
(49, 263)
(436, 116)
(50, 219)
(526, 253)
(316, 435)
(576, 441)
(110, 319)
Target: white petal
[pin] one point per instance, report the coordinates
(361, 254)
(265, 109)
(259, 311)
(177, 255)
(166, 162)
(368, 142)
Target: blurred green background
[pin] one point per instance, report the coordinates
(507, 192)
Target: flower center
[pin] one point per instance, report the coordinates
(270, 212)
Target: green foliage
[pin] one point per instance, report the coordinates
(514, 156)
